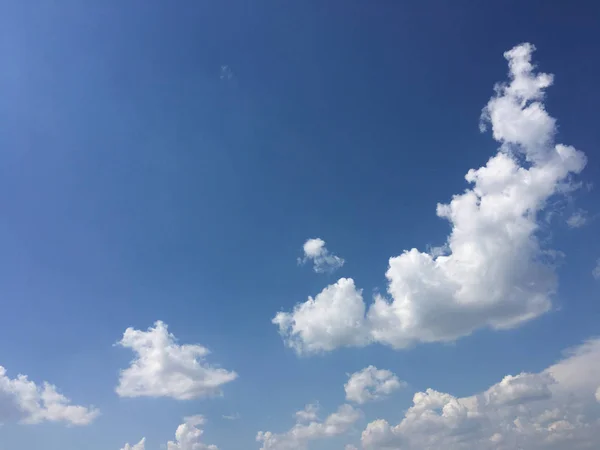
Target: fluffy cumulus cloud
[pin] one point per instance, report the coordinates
(492, 271)
(164, 368)
(371, 384)
(334, 318)
(139, 446)
(188, 436)
(323, 261)
(24, 401)
(553, 409)
(308, 428)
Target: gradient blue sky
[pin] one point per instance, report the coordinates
(139, 184)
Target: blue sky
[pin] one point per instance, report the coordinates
(169, 162)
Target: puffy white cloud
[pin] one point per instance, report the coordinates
(334, 318)
(139, 446)
(303, 432)
(188, 436)
(370, 384)
(553, 409)
(577, 219)
(163, 368)
(596, 271)
(519, 389)
(492, 271)
(323, 261)
(23, 401)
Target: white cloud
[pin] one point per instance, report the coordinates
(596, 271)
(371, 384)
(234, 416)
(553, 409)
(163, 368)
(23, 401)
(323, 261)
(350, 447)
(139, 446)
(308, 414)
(188, 436)
(494, 272)
(577, 219)
(298, 437)
(334, 318)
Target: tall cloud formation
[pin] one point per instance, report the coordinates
(23, 401)
(554, 409)
(308, 428)
(494, 272)
(163, 368)
(323, 261)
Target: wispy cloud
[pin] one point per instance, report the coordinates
(323, 261)
(596, 271)
(577, 219)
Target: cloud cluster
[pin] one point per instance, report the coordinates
(371, 384)
(188, 436)
(492, 271)
(553, 409)
(23, 401)
(308, 428)
(163, 368)
(323, 261)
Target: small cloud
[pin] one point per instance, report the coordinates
(323, 260)
(234, 416)
(371, 384)
(577, 219)
(164, 368)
